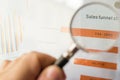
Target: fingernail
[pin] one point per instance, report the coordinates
(52, 73)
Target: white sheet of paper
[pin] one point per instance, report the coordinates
(42, 22)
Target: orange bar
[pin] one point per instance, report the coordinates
(112, 50)
(84, 77)
(65, 29)
(95, 33)
(95, 63)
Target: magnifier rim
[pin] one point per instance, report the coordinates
(85, 5)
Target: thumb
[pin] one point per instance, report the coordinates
(52, 73)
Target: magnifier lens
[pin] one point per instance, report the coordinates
(95, 27)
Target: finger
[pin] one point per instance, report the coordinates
(52, 73)
(19, 58)
(4, 64)
(32, 63)
(42, 59)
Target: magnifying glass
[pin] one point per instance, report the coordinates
(94, 27)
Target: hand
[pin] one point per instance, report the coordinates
(31, 66)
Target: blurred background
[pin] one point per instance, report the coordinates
(43, 25)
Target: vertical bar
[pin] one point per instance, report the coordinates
(5, 31)
(16, 30)
(21, 28)
(12, 34)
(1, 50)
(3, 36)
(8, 35)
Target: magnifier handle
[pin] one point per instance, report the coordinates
(61, 61)
(66, 56)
